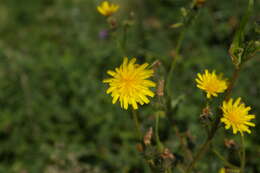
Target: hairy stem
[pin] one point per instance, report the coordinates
(215, 126)
(124, 40)
(174, 61)
(137, 125)
(243, 154)
(187, 21)
(158, 141)
(227, 163)
(199, 154)
(232, 83)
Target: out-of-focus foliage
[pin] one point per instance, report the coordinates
(54, 114)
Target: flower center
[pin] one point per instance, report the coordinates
(128, 83)
(235, 118)
(212, 86)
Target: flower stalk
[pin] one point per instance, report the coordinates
(124, 40)
(205, 145)
(232, 83)
(243, 154)
(189, 17)
(137, 125)
(158, 141)
(202, 150)
(174, 61)
(226, 162)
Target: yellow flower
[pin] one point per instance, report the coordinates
(222, 170)
(107, 9)
(236, 115)
(129, 84)
(211, 83)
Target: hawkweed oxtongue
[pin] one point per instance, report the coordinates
(129, 84)
(211, 83)
(107, 9)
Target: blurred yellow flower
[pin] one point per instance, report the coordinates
(236, 115)
(129, 84)
(211, 83)
(222, 170)
(107, 9)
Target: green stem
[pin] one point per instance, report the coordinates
(188, 20)
(201, 151)
(180, 169)
(227, 163)
(168, 170)
(137, 125)
(215, 126)
(243, 154)
(232, 83)
(174, 61)
(158, 141)
(124, 41)
(183, 145)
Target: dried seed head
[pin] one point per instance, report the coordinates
(139, 147)
(200, 3)
(160, 88)
(230, 143)
(206, 112)
(148, 136)
(112, 22)
(156, 64)
(167, 154)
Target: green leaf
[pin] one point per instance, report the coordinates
(237, 47)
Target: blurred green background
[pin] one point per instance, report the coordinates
(55, 116)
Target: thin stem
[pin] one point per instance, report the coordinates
(137, 125)
(168, 170)
(180, 169)
(227, 163)
(215, 126)
(174, 61)
(189, 19)
(201, 151)
(243, 154)
(183, 145)
(124, 41)
(232, 83)
(158, 141)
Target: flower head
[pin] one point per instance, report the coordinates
(130, 84)
(236, 115)
(107, 9)
(211, 83)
